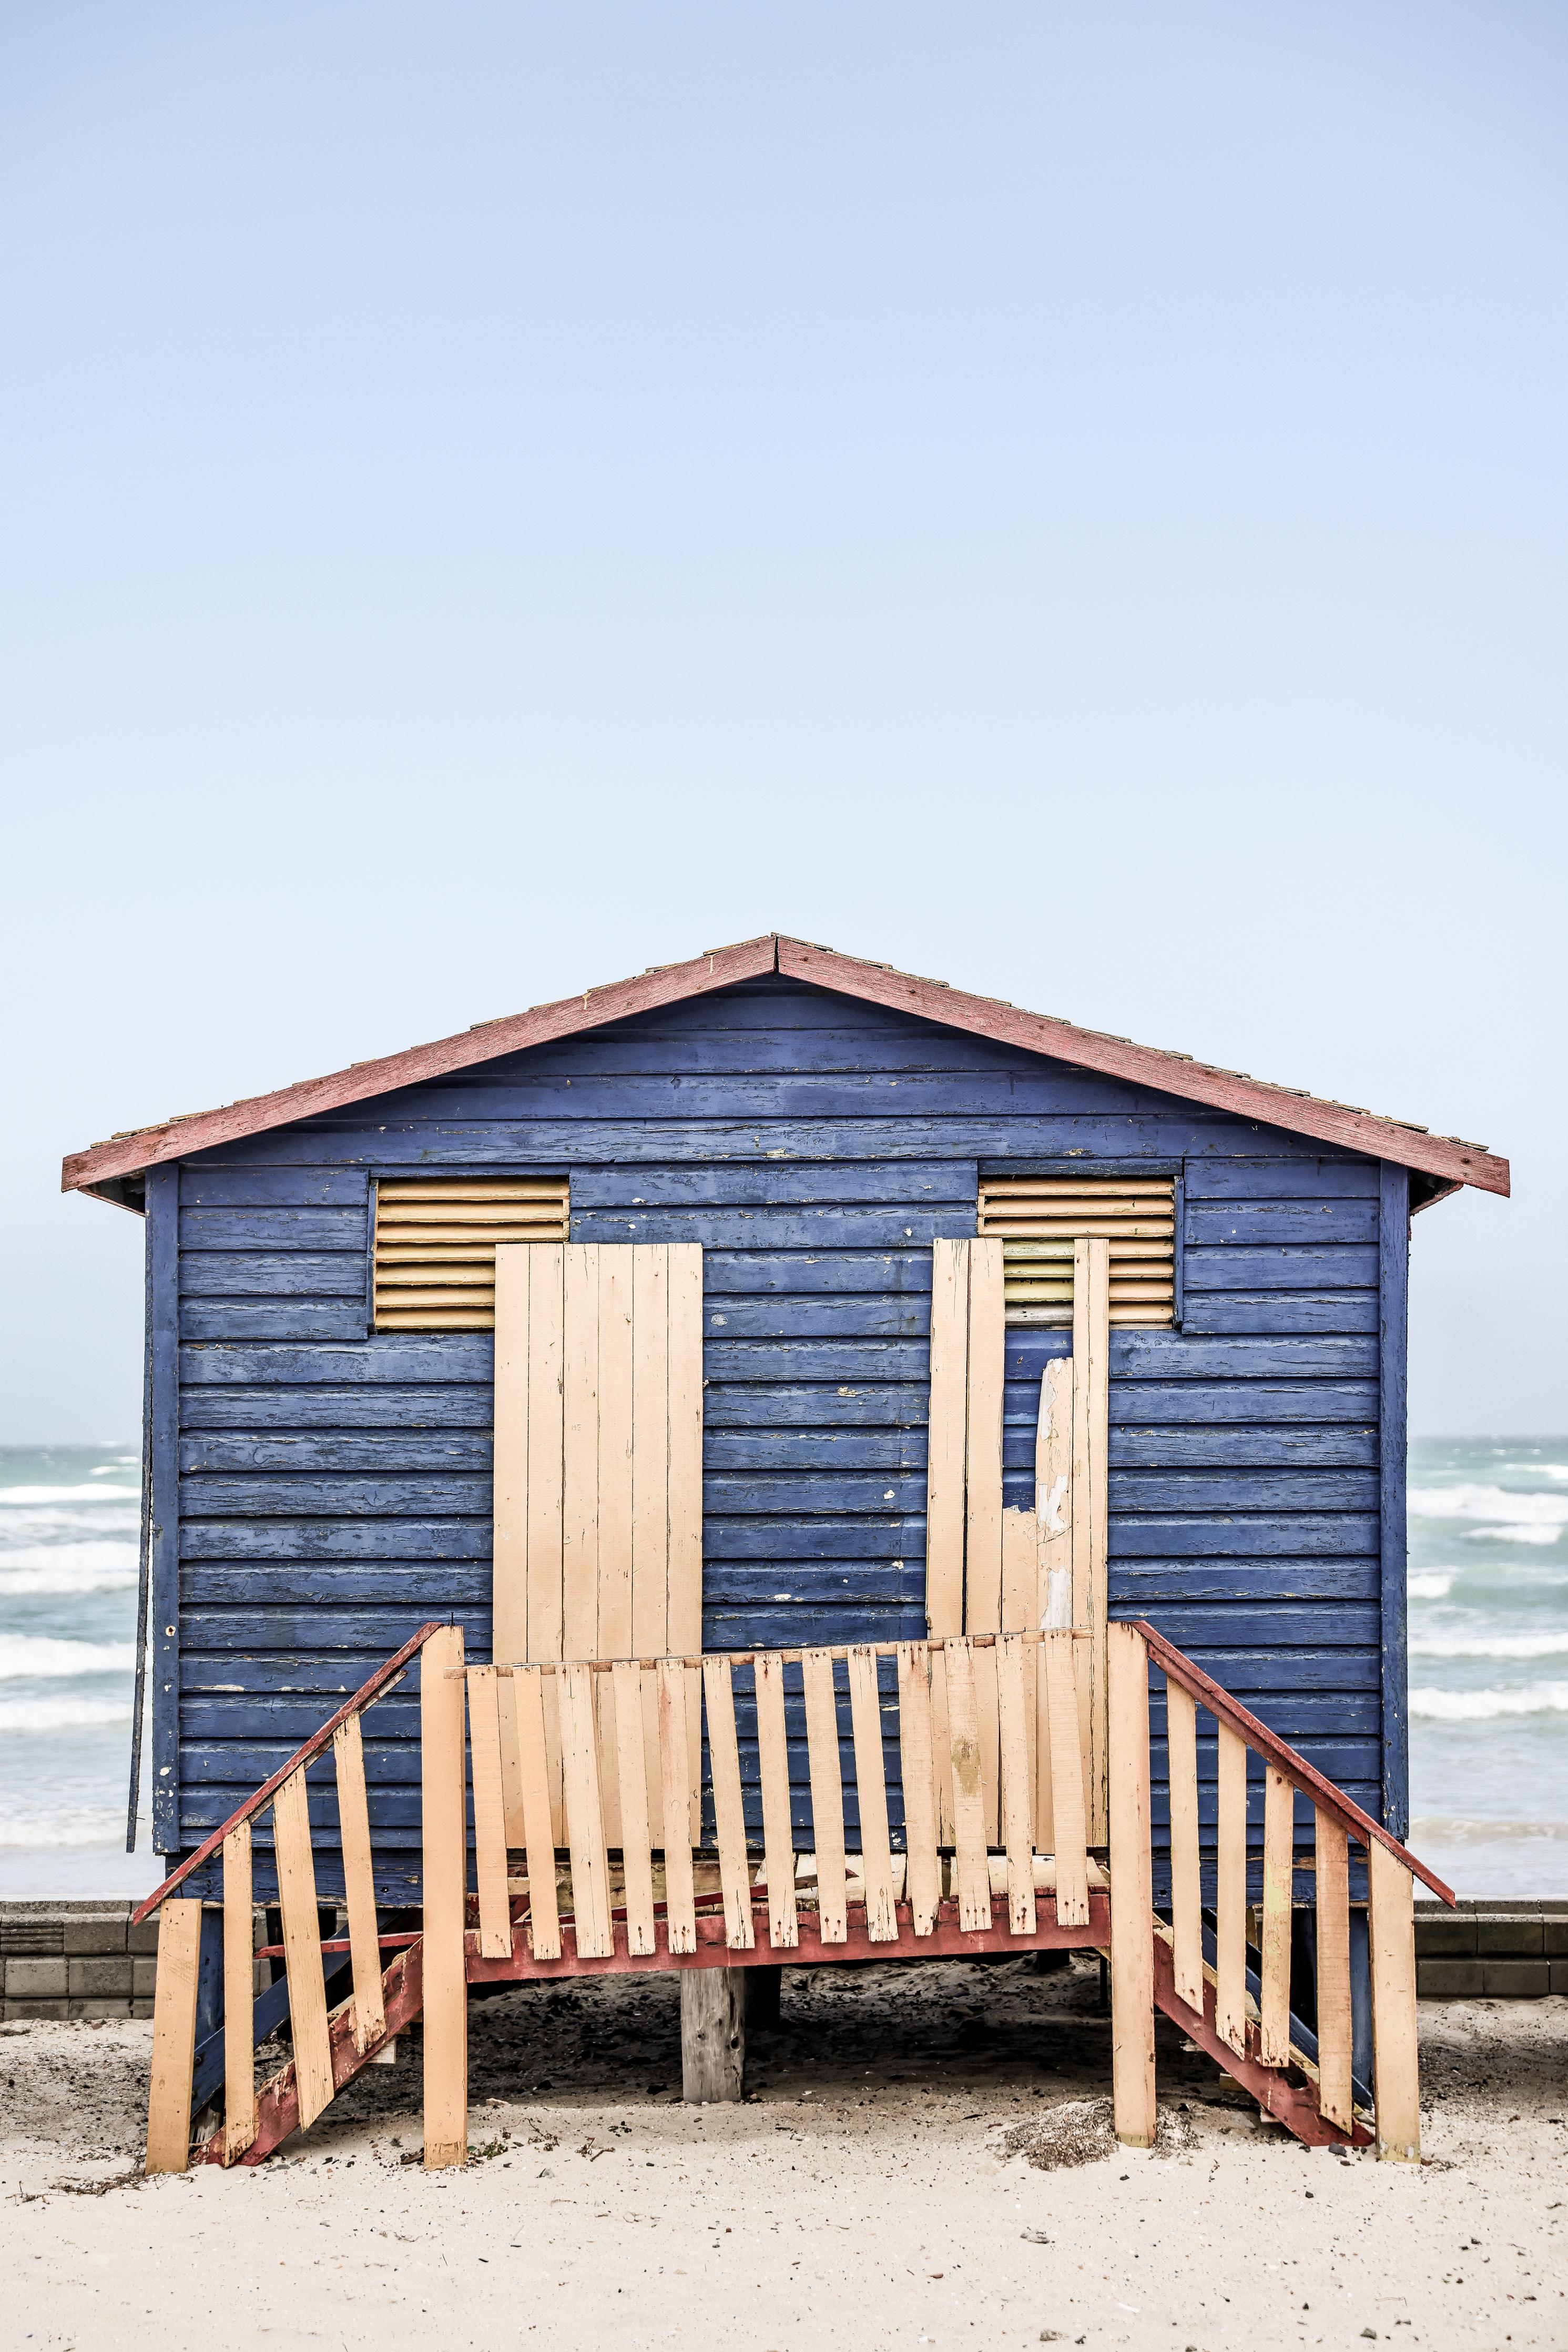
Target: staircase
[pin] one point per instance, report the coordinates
(597, 1775)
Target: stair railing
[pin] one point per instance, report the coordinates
(1211, 1999)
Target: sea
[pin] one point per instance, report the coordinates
(1488, 1667)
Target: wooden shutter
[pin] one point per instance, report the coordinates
(1039, 1218)
(436, 1240)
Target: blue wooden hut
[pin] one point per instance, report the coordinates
(321, 1362)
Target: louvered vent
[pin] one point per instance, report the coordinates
(435, 1246)
(1039, 1218)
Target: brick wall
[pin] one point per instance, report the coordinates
(1491, 1950)
(75, 1959)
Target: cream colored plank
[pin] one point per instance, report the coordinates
(871, 1788)
(1091, 1357)
(778, 1836)
(1132, 1888)
(489, 1815)
(510, 1572)
(613, 1638)
(580, 1451)
(511, 1762)
(1053, 1532)
(1014, 1714)
(969, 1797)
(1274, 2006)
(360, 1883)
(729, 1818)
(1331, 1890)
(1186, 1887)
(924, 1871)
(535, 1777)
(675, 1779)
(546, 1445)
(239, 1997)
(584, 1813)
(302, 1946)
(636, 1859)
(684, 1621)
(826, 1769)
(1394, 2065)
(1020, 1614)
(1067, 1779)
(946, 1447)
(174, 2037)
(650, 1448)
(1230, 1893)
(983, 1497)
(444, 1864)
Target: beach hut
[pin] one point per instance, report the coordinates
(714, 1311)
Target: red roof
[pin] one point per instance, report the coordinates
(1445, 1157)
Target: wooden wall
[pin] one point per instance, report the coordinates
(333, 1487)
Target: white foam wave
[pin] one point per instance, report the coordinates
(1483, 1705)
(1421, 1585)
(87, 1829)
(61, 1714)
(1495, 1503)
(30, 1495)
(1512, 1535)
(23, 1527)
(35, 1656)
(1465, 1829)
(1488, 1645)
(68, 1568)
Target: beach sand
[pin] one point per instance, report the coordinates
(863, 2194)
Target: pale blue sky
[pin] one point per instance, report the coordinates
(1068, 499)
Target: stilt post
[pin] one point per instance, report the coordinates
(1132, 1888)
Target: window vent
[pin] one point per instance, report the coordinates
(435, 1246)
(1039, 1218)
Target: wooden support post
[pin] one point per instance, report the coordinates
(713, 2035)
(174, 2037)
(1397, 2080)
(1132, 1887)
(240, 1996)
(445, 1871)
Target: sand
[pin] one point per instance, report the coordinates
(863, 2195)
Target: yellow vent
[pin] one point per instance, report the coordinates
(1039, 1218)
(435, 1246)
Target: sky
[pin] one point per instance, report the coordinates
(1068, 499)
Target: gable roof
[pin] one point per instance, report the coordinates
(1446, 1160)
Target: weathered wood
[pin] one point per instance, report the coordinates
(1022, 1607)
(922, 1871)
(1053, 1537)
(713, 2035)
(584, 1813)
(510, 1587)
(871, 1791)
(968, 1795)
(827, 1793)
(1187, 1892)
(1131, 1877)
(360, 1881)
(443, 1860)
(239, 2000)
(1230, 1892)
(302, 1942)
(676, 1771)
(489, 1822)
(1335, 2049)
(636, 1858)
(946, 1447)
(546, 1406)
(773, 1771)
(1018, 1780)
(683, 1620)
(983, 1500)
(539, 1828)
(174, 2037)
(1278, 1835)
(1397, 2078)
(729, 1818)
(1070, 1828)
(1091, 1374)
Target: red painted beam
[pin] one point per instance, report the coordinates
(1294, 2105)
(277, 2101)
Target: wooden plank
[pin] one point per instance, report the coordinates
(729, 1817)
(713, 2035)
(359, 1882)
(1396, 2076)
(490, 1818)
(983, 1500)
(871, 1785)
(684, 1605)
(444, 1870)
(174, 2037)
(580, 1454)
(1070, 1827)
(1230, 1892)
(773, 1767)
(1186, 1887)
(968, 1796)
(922, 1871)
(826, 1771)
(1278, 1857)
(539, 1828)
(239, 1998)
(636, 1857)
(675, 1781)
(1020, 1614)
(1053, 1536)
(1090, 1490)
(947, 1440)
(584, 1812)
(1335, 2042)
(1131, 1877)
(510, 1572)
(648, 1594)
(1014, 1714)
(547, 1300)
(302, 1945)
(511, 1762)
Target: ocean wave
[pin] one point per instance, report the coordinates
(1512, 1535)
(37, 1657)
(86, 1829)
(1488, 1645)
(68, 1568)
(1421, 1585)
(1495, 1503)
(1465, 1829)
(23, 1527)
(61, 1714)
(1483, 1705)
(10, 1496)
